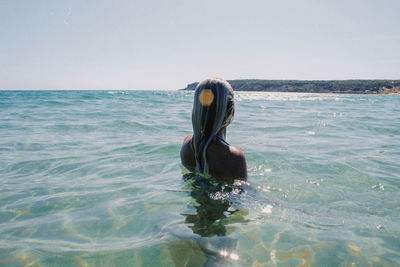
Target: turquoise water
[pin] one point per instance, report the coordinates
(93, 178)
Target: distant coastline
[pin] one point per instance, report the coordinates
(314, 86)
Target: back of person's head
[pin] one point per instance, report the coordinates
(213, 110)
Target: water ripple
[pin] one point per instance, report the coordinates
(94, 178)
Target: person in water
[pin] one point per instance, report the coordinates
(206, 150)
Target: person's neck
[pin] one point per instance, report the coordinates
(222, 133)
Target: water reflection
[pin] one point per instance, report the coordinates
(213, 205)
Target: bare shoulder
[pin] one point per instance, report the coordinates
(238, 162)
(187, 155)
(227, 162)
(188, 139)
(237, 152)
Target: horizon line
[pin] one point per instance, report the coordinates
(178, 89)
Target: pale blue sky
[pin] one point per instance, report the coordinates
(160, 44)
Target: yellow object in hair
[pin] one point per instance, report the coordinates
(206, 97)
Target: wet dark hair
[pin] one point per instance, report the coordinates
(213, 109)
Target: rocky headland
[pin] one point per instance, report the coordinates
(315, 86)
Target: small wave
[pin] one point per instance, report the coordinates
(117, 92)
(281, 96)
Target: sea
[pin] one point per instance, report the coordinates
(94, 178)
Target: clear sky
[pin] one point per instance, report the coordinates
(165, 44)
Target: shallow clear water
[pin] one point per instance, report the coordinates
(94, 178)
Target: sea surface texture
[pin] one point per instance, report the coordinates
(93, 178)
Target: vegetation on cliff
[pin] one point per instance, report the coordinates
(315, 86)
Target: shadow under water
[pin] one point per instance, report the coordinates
(214, 213)
(213, 205)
